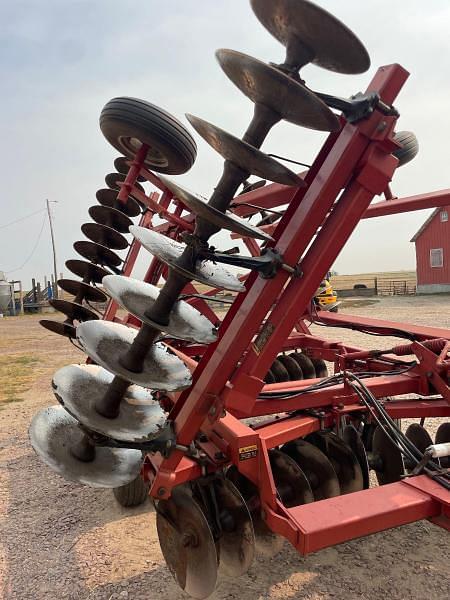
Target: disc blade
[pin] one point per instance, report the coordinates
(390, 466)
(110, 217)
(107, 197)
(291, 483)
(352, 438)
(243, 155)
(320, 367)
(105, 342)
(315, 465)
(64, 329)
(270, 377)
(292, 367)
(442, 437)
(340, 455)
(305, 364)
(168, 251)
(138, 297)
(87, 270)
(266, 85)
(187, 543)
(74, 311)
(121, 166)
(79, 387)
(113, 180)
(200, 207)
(267, 542)
(311, 34)
(97, 253)
(104, 235)
(237, 539)
(52, 434)
(90, 294)
(279, 371)
(419, 436)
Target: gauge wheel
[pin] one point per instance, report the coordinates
(133, 493)
(127, 123)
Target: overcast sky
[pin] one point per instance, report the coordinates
(62, 60)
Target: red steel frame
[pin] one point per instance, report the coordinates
(353, 166)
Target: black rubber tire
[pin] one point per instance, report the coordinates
(409, 149)
(173, 149)
(133, 493)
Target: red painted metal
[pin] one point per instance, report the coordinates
(328, 522)
(354, 165)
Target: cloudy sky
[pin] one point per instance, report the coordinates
(62, 60)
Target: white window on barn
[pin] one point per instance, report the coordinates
(444, 216)
(436, 257)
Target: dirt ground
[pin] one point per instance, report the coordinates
(60, 540)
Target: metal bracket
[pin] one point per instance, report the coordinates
(267, 264)
(358, 107)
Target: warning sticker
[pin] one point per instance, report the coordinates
(247, 452)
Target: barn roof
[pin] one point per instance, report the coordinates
(425, 225)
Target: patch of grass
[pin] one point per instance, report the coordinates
(16, 376)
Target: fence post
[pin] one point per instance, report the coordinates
(22, 311)
(376, 286)
(33, 283)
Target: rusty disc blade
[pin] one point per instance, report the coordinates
(305, 364)
(442, 437)
(53, 432)
(243, 155)
(352, 438)
(389, 460)
(87, 270)
(200, 207)
(237, 539)
(98, 254)
(104, 342)
(320, 367)
(104, 235)
(340, 455)
(65, 329)
(121, 166)
(73, 310)
(90, 294)
(79, 387)
(104, 215)
(187, 543)
(138, 297)
(419, 436)
(315, 465)
(267, 85)
(279, 371)
(311, 34)
(168, 251)
(267, 542)
(291, 482)
(107, 197)
(269, 378)
(113, 180)
(292, 367)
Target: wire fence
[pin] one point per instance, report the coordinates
(375, 286)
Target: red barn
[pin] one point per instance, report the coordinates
(433, 253)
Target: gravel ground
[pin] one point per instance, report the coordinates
(59, 540)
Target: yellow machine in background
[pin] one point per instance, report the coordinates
(326, 297)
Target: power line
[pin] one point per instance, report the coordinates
(22, 219)
(34, 247)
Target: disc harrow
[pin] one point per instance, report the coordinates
(230, 417)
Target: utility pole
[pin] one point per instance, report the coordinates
(55, 290)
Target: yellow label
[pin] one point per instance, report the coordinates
(247, 452)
